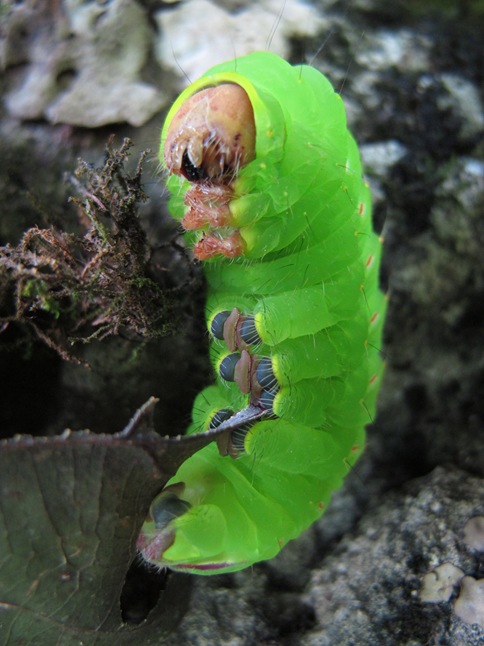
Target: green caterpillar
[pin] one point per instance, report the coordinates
(267, 181)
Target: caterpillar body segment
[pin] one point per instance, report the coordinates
(267, 180)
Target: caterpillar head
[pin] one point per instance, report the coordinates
(212, 135)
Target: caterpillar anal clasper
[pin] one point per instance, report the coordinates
(267, 181)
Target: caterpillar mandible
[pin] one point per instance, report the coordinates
(267, 181)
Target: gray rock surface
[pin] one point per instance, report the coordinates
(79, 63)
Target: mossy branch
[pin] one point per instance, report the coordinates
(71, 289)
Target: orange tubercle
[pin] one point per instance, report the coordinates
(210, 246)
(208, 205)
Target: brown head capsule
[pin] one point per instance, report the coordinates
(212, 135)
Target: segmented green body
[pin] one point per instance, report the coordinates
(309, 278)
